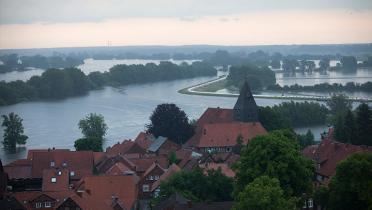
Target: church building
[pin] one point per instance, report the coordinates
(218, 130)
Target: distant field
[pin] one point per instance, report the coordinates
(212, 87)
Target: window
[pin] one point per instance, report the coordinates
(72, 173)
(53, 180)
(151, 178)
(156, 177)
(310, 202)
(145, 188)
(64, 164)
(52, 164)
(38, 205)
(59, 173)
(48, 204)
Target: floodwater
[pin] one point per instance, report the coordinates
(126, 110)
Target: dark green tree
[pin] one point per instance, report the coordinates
(172, 158)
(93, 126)
(350, 128)
(321, 196)
(351, 186)
(198, 186)
(306, 139)
(13, 131)
(339, 104)
(88, 144)
(170, 121)
(364, 124)
(275, 155)
(264, 193)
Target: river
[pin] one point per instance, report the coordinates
(126, 111)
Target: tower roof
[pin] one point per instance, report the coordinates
(245, 109)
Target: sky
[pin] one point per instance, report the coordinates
(78, 23)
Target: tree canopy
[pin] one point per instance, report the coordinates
(198, 186)
(257, 77)
(275, 155)
(13, 131)
(263, 193)
(170, 121)
(94, 128)
(351, 186)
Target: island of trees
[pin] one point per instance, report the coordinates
(62, 83)
(349, 87)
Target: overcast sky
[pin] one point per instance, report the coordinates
(52, 23)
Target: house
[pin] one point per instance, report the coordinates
(78, 163)
(108, 192)
(328, 154)
(217, 130)
(55, 180)
(163, 146)
(155, 187)
(144, 140)
(151, 175)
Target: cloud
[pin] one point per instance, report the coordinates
(67, 11)
(253, 28)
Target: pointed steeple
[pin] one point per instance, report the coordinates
(245, 109)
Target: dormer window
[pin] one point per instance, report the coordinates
(52, 164)
(64, 164)
(53, 180)
(72, 173)
(48, 204)
(59, 173)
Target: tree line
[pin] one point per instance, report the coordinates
(62, 83)
(257, 77)
(335, 87)
(14, 62)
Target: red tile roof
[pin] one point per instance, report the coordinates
(19, 169)
(81, 162)
(31, 152)
(142, 164)
(144, 140)
(100, 191)
(225, 134)
(118, 169)
(60, 182)
(126, 147)
(225, 169)
(215, 115)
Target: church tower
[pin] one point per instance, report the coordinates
(245, 109)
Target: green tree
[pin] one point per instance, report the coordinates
(277, 156)
(13, 132)
(198, 186)
(264, 193)
(170, 121)
(88, 144)
(351, 186)
(349, 63)
(364, 124)
(306, 139)
(350, 128)
(339, 104)
(93, 126)
(172, 159)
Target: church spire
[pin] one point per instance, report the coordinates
(245, 109)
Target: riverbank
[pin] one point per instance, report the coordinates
(209, 88)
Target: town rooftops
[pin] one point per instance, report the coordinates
(126, 147)
(19, 169)
(225, 169)
(55, 180)
(169, 172)
(215, 115)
